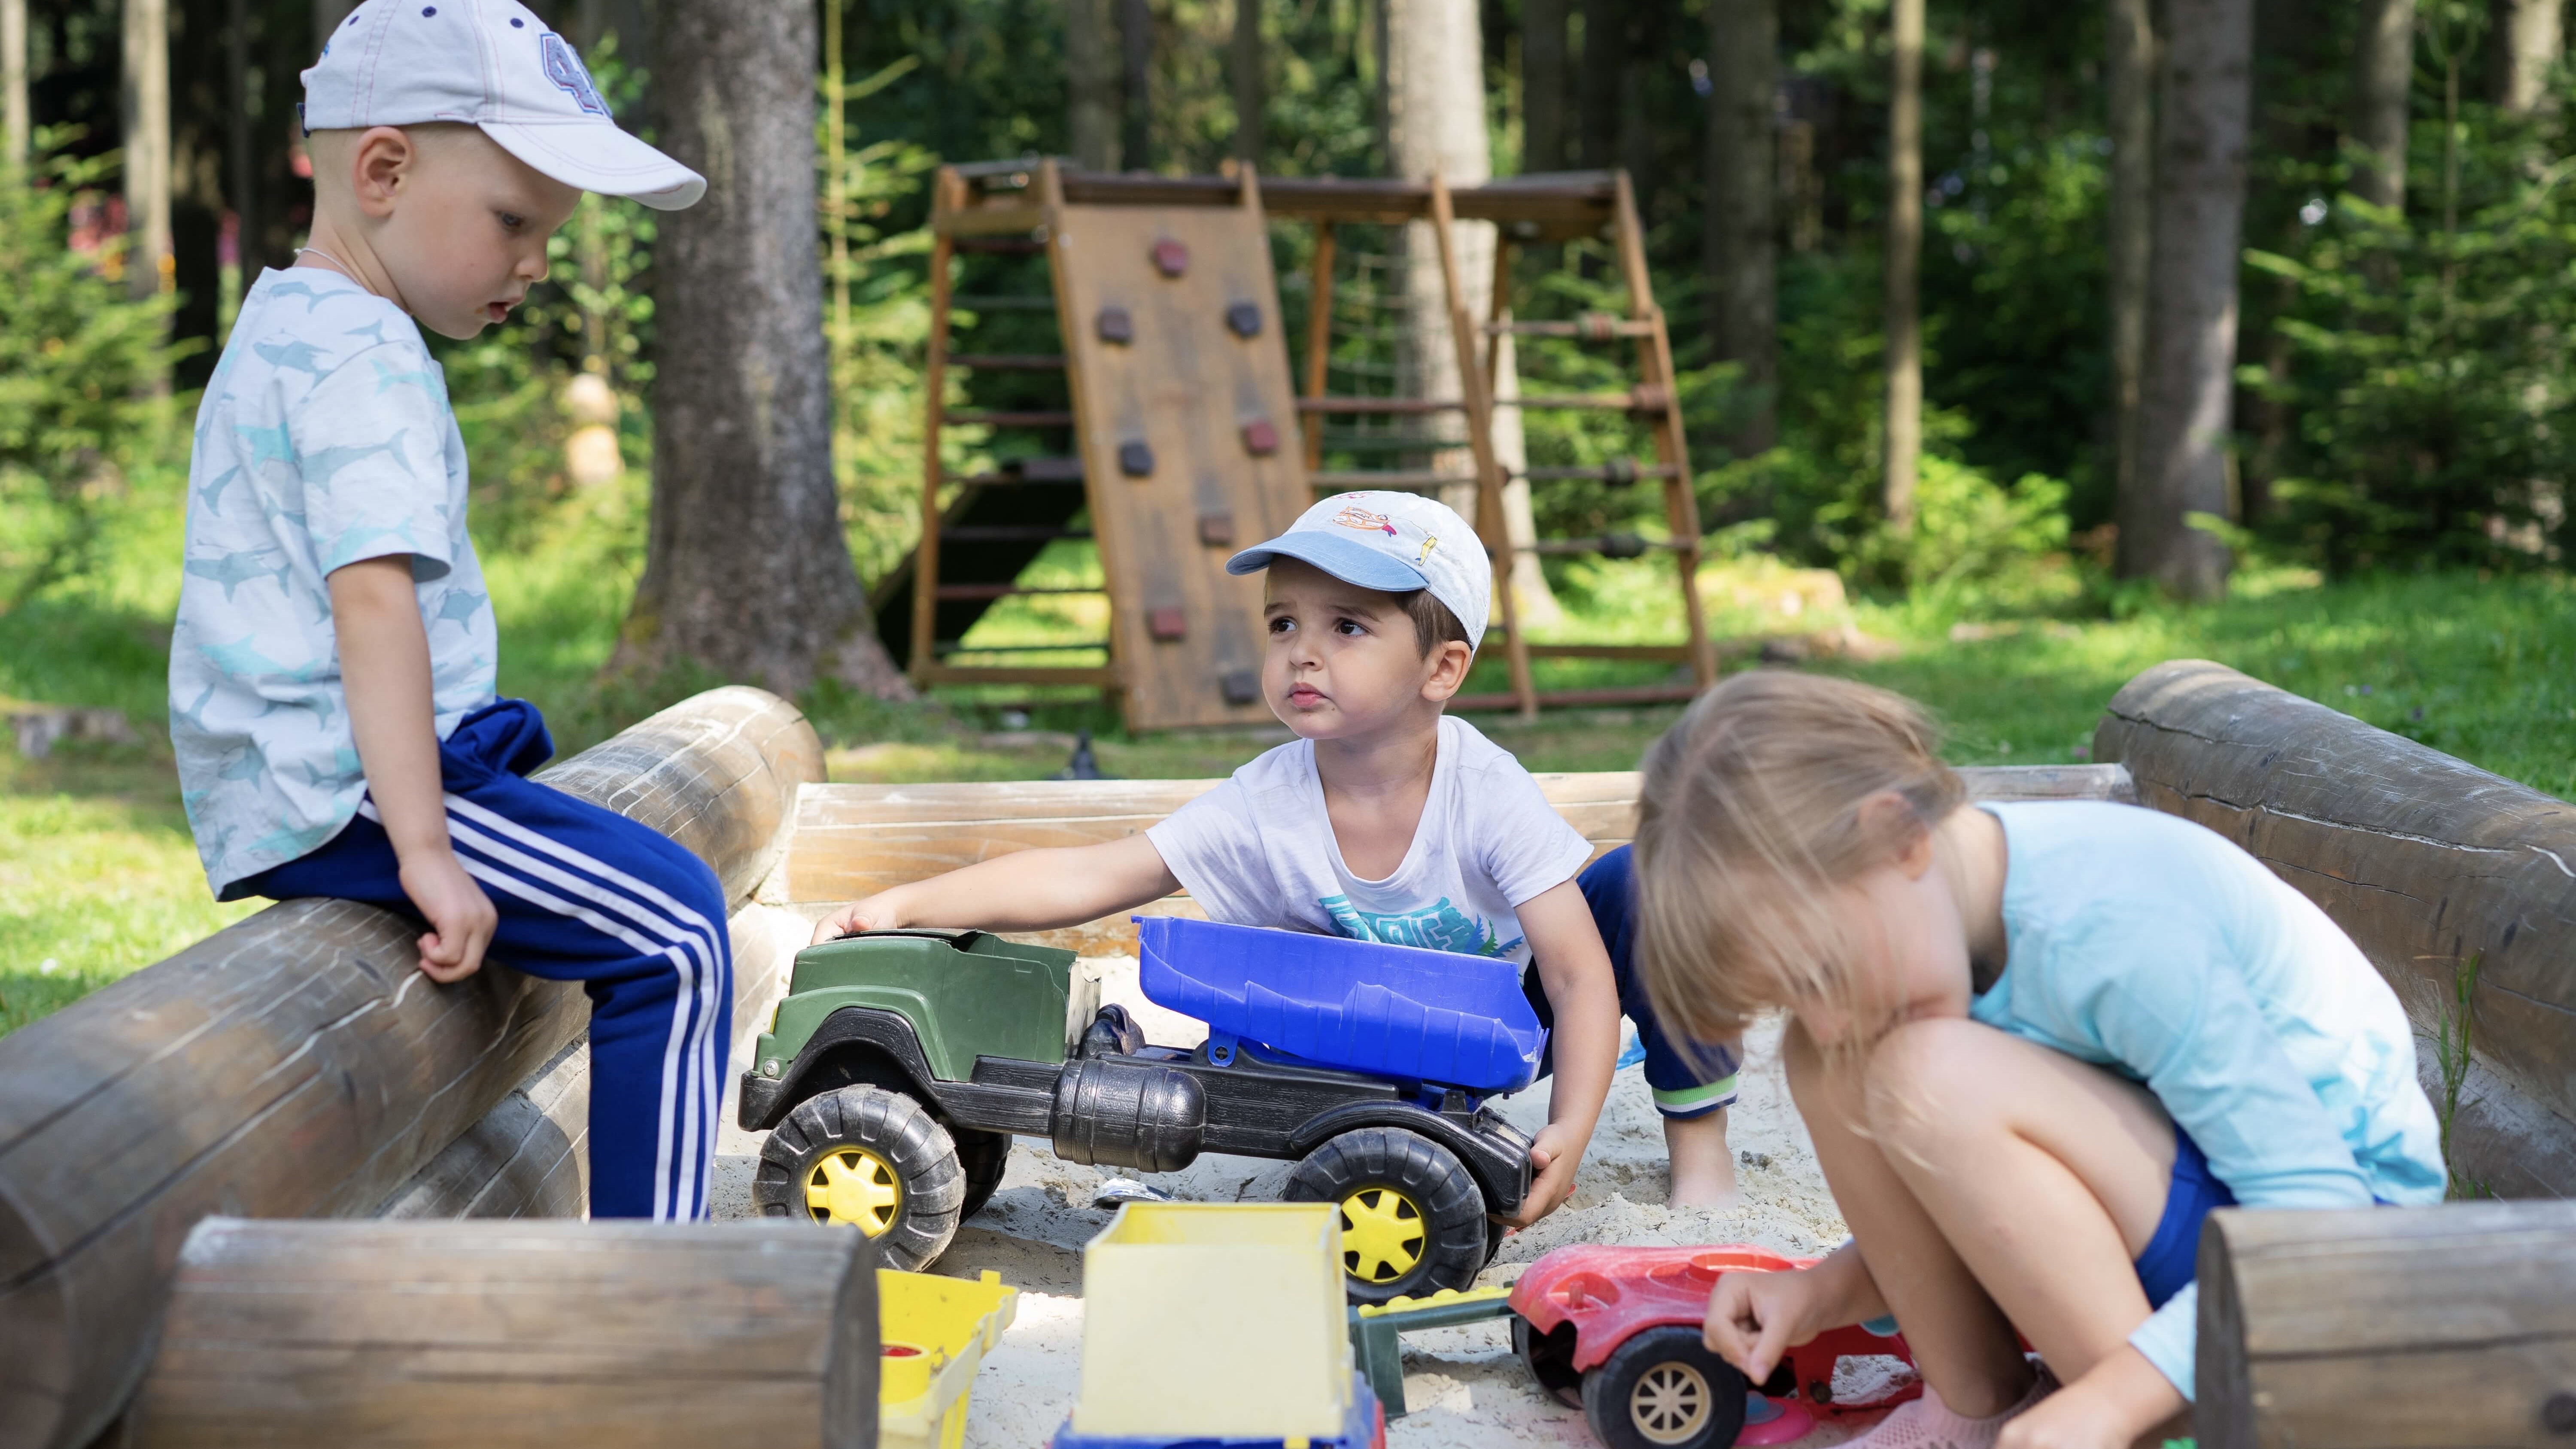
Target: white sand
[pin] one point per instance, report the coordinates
(1463, 1385)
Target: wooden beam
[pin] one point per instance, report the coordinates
(2427, 862)
(315, 1335)
(529, 1157)
(2388, 1328)
(296, 1064)
(853, 840)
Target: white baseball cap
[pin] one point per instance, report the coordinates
(492, 64)
(1395, 543)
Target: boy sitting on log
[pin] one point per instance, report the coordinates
(332, 673)
(1384, 820)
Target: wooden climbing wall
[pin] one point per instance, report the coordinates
(1187, 425)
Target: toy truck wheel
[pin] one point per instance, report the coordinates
(983, 1155)
(1413, 1220)
(871, 1159)
(1663, 1389)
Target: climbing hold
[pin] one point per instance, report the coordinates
(1260, 439)
(1167, 623)
(1239, 686)
(1243, 319)
(1216, 530)
(1116, 326)
(1136, 459)
(1171, 258)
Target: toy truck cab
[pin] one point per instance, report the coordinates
(1616, 1333)
(900, 1064)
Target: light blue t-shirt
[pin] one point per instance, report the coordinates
(324, 439)
(2147, 944)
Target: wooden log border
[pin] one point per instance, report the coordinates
(2405, 1328)
(296, 1065)
(2428, 862)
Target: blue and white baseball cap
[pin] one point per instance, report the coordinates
(1395, 543)
(492, 64)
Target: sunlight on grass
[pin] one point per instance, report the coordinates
(97, 876)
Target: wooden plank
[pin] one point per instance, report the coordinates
(853, 840)
(315, 1335)
(1479, 404)
(296, 1065)
(1186, 387)
(2383, 1328)
(2427, 862)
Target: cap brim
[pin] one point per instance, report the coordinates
(597, 156)
(1347, 559)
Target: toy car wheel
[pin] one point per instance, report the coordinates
(1413, 1220)
(983, 1155)
(1550, 1359)
(871, 1159)
(1663, 1389)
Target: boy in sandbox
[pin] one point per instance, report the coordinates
(331, 675)
(1384, 821)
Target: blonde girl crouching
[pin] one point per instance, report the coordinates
(2035, 1044)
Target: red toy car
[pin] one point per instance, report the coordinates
(1616, 1332)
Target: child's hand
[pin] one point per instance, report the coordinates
(461, 918)
(1754, 1319)
(876, 913)
(1555, 1157)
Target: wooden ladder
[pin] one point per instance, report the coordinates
(1548, 205)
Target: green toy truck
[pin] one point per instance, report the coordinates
(900, 1064)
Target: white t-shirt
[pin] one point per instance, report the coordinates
(1259, 850)
(324, 438)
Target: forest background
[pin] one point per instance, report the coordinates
(2388, 502)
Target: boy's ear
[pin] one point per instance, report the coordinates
(382, 159)
(1446, 670)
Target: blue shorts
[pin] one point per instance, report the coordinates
(2167, 1265)
(1689, 1081)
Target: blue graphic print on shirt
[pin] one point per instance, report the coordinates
(1439, 926)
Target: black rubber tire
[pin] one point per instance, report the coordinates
(898, 1131)
(983, 1155)
(1549, 1357)
(1663, 1389)
(1445, 1199)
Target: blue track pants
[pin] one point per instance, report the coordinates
(584, 894)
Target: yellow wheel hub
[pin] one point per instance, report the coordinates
(1381, 1234)
(1670, 1404)
(853, 1188)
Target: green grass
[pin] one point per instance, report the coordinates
(98, 876)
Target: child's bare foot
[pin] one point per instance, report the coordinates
(1703, 1164)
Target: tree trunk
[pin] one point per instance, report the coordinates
(1542, 85)
(241, 166)
(1904, 425)
(15, 127)
(147, 144)
(327, 15)
(2383, 72)
(2528, 45)
(1436, 101)
(2202, 117)
(1605, 53)
(1136, 55)
(1743, 311)
(1250, 104)
(200, 107)
(745, 568)
(1091, 82)
(2130, 73)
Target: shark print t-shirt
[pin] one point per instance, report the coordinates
(325, 438)
(1258, 850)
